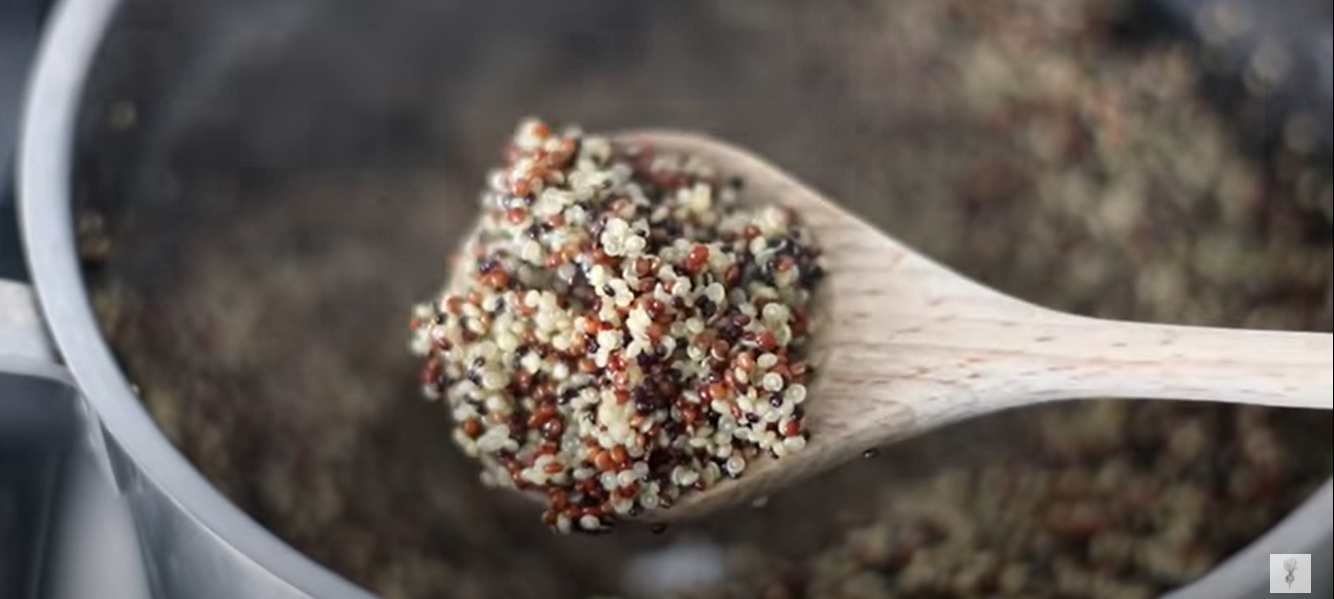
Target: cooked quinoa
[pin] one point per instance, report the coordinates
(1023, 142)
(621, 329)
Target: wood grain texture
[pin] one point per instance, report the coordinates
(903, 345)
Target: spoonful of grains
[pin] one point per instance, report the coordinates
(657, 324)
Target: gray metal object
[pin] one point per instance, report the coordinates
(64, 531)
(196, 543)
(35, 423)
(37, 415)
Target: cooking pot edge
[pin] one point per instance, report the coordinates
(199, 544)
(196, 542)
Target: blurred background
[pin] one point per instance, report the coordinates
(266, 186)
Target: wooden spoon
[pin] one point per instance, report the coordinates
(904, 345)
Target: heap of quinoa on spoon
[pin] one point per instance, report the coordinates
(620, 330)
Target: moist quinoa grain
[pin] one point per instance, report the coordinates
(621, 330)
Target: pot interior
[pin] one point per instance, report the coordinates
(266, 187)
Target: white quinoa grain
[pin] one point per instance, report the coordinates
(796, 443)
(735, 465)
(589, 522)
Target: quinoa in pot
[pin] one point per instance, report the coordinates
(1044, 148)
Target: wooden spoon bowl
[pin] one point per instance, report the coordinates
(903, 345)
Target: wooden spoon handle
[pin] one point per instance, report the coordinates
(1087, 357)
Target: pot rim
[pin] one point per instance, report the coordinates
(45, 171)
(46, 147)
